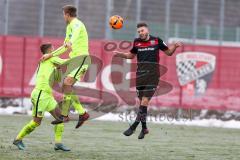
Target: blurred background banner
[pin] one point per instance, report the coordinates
(206, 26)
(20, 57)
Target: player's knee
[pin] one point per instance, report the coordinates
(57, 112)
(145, 101)
(67, 89)
(37, 120)
(69, 81)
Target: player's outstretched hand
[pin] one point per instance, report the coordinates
(45, 57)
(116, 53)
(178, 44)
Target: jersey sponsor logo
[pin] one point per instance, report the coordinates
(195, 70)
(145, 49)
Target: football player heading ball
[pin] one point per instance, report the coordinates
(146, 47)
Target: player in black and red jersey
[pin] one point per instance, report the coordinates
(146, 48)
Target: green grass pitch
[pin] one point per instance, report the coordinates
(104, 141)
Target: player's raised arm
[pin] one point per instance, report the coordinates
(171, 49)
(64, 48)
(126, 55)
(56, 52)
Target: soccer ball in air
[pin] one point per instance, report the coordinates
(116, 22)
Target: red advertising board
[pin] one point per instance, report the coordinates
(19, 58)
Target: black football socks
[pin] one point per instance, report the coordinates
(144, 117)
(141, 117)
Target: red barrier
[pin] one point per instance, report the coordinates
(19, 57)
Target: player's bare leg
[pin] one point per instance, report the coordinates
(38, 120)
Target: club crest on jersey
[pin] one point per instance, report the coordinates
(195, 70)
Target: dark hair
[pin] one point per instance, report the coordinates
(44, 47)
(71, 10)
(142, 24)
